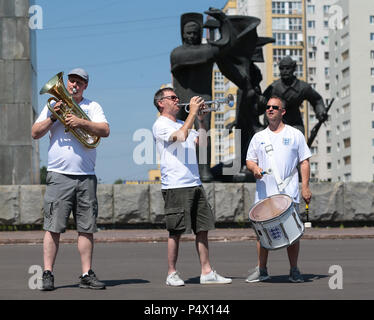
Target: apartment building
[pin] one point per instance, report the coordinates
(318, 76)
(351, 49)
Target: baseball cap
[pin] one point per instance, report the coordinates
(79, 72)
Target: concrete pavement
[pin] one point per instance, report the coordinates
(137, 271)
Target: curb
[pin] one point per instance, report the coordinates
(186, 238)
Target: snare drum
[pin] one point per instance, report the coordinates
(276, 222)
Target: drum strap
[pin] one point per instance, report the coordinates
(281, 184)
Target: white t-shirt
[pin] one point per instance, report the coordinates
(178, 161)
(65, 153)
(290, 149)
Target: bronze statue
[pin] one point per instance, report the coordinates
(294, 91)
(192, 65)
(237, 65)
(235, 53)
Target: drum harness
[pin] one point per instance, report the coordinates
(281, 184)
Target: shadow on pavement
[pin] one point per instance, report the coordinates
(110, 283)
(284, 278)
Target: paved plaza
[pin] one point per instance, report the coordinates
(334, 269)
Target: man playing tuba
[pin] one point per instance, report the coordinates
(71, 179)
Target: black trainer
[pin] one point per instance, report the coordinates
(90, 281)
(48, 281)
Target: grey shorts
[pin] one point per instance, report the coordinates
(66, 194)
(187, 209)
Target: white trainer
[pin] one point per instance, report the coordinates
(214, 278)
(174, 280)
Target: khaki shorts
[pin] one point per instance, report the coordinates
(187, 210)
(66, 194)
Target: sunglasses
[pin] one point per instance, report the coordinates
(173, 98)
(274, 107)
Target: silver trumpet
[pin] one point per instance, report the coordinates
(229, 100)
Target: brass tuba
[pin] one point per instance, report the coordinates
(56, 87)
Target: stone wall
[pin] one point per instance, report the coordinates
(231, 202)
(19, 154)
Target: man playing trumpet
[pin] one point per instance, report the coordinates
(71, 180)
(186, 205)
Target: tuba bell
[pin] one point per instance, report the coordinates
(56, 88)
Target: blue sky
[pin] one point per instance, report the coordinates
(124, 46)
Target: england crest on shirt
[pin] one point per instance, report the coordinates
(286, 141)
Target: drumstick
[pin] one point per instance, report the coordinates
(268, 171)
(307, 224)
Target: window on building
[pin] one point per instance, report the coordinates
(312, 71)
(372, 72)
(326, 9)
(346, 108)
(312, 40)
(327, 86)
(328, 149)
(219, 95)
(287, 24)
(372, 36)
(347, 160)
(346, 125)
(311, 9)
(372, 89)
(327, 55)
(345, 55)
(371, 18)
(278, 7)
(295, 24)
(328, 136)
(327, 72)
(280, 38)
(311, 24)
(372, 107)
(218, 117)
(219, 84)
(372, 54)
(314, 166)
(294, 39)
(295, 7)
(347, 142)
(345, 21)
(344, 38)
(346, 91)
(345, 72)
(328, 165)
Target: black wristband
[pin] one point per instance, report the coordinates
(52, 118)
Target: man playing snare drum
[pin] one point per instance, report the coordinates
(289, 149)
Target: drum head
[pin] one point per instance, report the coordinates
(270, 207)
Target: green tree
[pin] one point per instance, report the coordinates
(118, 181)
